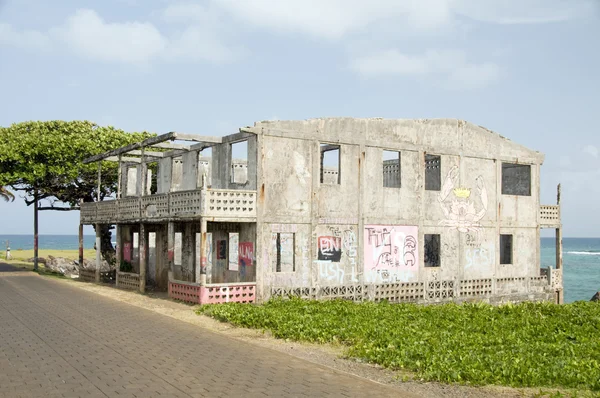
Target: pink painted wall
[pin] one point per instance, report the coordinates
(391, 248)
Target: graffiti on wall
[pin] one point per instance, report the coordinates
(246, 254)
(330, 271)
(127, 251)
(461, 211)
(337, 254)
(330, 248)
(391, 253)
(480, 258)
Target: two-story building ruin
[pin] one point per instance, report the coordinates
(361, 209)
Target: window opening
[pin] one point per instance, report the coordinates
(392, 169)
(432, 250)
(433, 173)
(506, 249)
(516, 179)
(330, 164)
(239, 162)
(285, 253)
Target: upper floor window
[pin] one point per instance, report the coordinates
(392, 169)
(433, 172)
(330, 164)
(516, 179)
(239, 162)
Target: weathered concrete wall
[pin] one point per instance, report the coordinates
(329, 222)
(232, 252)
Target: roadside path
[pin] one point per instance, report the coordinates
(58, 340)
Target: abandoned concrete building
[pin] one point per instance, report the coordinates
(362, 209)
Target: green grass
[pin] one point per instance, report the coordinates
(524, 345)
(22, 256)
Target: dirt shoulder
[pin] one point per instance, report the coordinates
(325, 355)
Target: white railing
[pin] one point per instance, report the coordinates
(550, 215)
(230, 203)
(227, 203)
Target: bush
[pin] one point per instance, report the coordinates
(524, 345)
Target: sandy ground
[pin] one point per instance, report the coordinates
(326, 355)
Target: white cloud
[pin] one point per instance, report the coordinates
(451, 66)
(525, 11)
(591, 150)
(131, 42)
(86, 34)
(334, 19)
(27, 39)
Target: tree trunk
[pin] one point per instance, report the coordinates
(106, 248)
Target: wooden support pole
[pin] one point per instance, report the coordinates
(35, 231)
(171, 249)
(98, 252)
(80, 246)
(120, 178)
(119, 253)
(143, 257)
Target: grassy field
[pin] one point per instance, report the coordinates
(22, 256)
(525, 345)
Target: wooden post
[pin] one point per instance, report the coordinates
(98, 252)
(143, 257)
(559, 245)
(35, 231)
(80, 246)
(120, 178)
(119, 252)
(171, 249)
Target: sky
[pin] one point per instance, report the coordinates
(527, 69)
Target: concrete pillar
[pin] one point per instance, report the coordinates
(119, 254)
(98, 252)
(162, 258)
(143, 257)
(203, 248)
(187, 252)
(171, 249)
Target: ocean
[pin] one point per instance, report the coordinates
(581, 258)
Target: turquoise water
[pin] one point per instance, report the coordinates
(581, 265)
(581, 258)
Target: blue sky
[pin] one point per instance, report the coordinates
(527, 69)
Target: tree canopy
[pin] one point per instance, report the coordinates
(47, 158)
(44, 160)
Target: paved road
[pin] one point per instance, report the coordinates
(57, 340)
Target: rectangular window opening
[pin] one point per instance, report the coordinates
(506, 249)
(516, 179)
(239, 162)
(286, 256)
(152, 181)
(432, 250)
(433, 172)
(392, 169)
(330, 164)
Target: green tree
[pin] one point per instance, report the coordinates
(45, 161)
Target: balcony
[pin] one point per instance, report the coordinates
(213, 203)
(549, 216)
